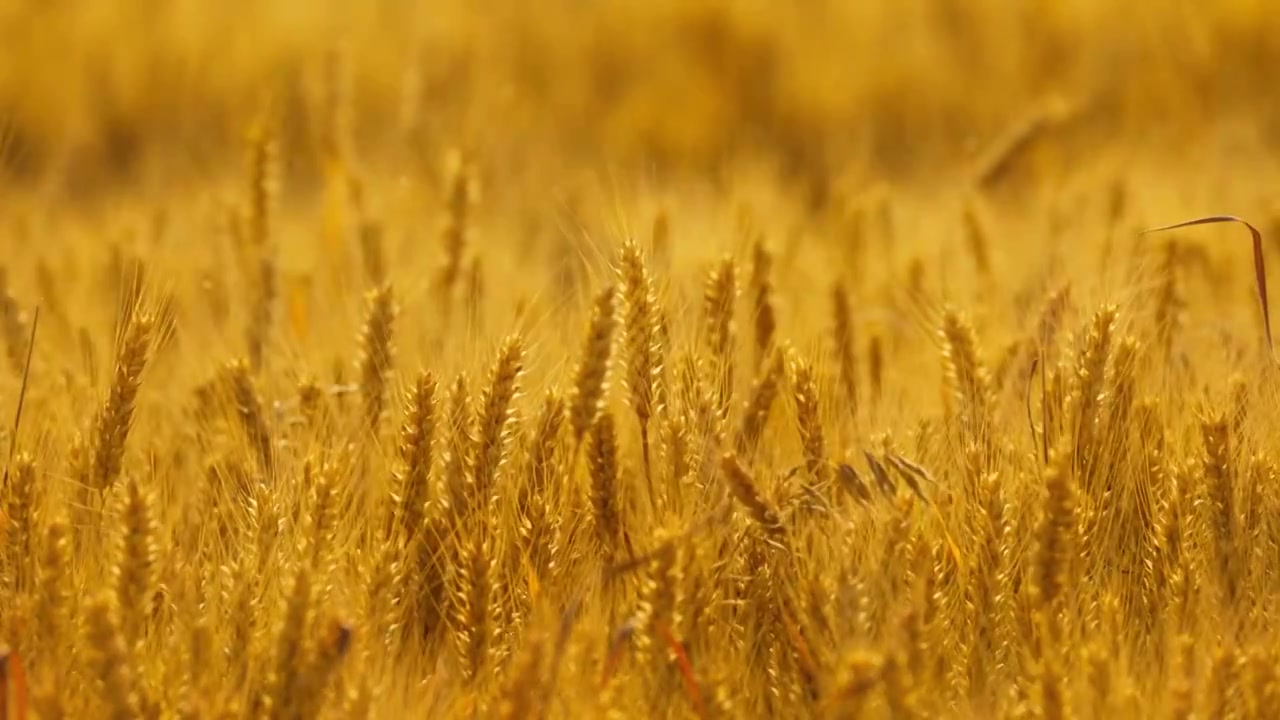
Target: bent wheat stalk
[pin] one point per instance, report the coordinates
(22, 397)
(1259, 262)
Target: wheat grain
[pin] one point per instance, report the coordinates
(765, 318)
(497, 417)
(376, 353)
(416, 454)
(643, 348)
(590, 379)
(115, 418)
(719, 301)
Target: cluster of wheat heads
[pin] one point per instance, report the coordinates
(691, 490)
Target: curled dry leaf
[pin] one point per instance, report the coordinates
(1259, 262)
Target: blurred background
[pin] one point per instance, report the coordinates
(100, 94)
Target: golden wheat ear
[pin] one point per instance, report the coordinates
(1259, 262)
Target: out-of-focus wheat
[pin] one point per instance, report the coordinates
(328, 434)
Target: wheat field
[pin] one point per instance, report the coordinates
(668, 359)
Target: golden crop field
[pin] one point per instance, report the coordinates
(638, 359)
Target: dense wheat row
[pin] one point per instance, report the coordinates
(332, 428)
(639, 494)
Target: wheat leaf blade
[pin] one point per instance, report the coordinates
(1259, 262)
